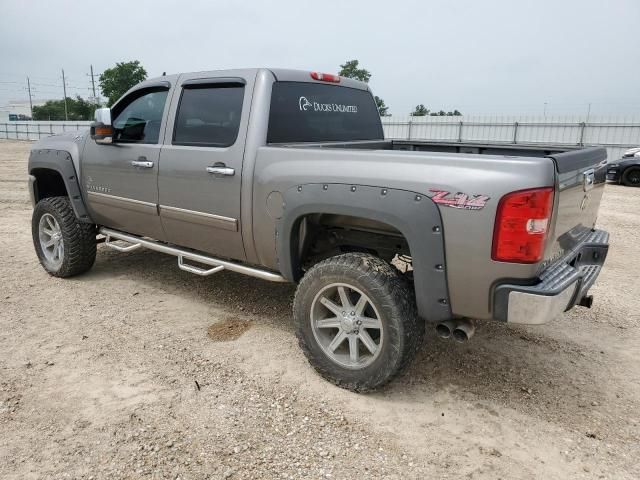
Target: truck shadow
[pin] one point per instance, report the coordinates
(530, 371)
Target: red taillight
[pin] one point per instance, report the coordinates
(325, 77)
(522, 222)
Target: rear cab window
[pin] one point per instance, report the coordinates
(313, 112)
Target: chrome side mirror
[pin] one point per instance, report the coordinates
(101, 129)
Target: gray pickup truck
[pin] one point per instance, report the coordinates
(286, 176)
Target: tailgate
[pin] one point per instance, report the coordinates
(581, 180)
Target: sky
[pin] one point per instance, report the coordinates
(479, 56)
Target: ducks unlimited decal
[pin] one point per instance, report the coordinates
(459, 200)
(305, 105)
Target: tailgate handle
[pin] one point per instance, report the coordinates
(588, 178)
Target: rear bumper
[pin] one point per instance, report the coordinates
(561, 286)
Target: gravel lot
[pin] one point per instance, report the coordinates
(123, 373)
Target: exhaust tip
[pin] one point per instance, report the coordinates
(459, 336)
(444, 329)
(464, 331)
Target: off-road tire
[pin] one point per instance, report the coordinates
(394, 299)
(79, 239)
(630, 173)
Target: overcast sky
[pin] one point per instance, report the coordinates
(480, 56)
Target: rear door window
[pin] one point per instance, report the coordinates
(313, 112)
(209, 115)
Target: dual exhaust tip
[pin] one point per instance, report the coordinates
(460, 330)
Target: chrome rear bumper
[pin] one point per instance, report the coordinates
(558, 289)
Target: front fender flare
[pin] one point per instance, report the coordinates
(60, 161)
(412, 214)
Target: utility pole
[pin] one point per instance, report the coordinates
(30, 100)
(93, 86)
(544, 112)
(64, 87)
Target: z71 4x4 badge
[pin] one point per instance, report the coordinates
(459, 200)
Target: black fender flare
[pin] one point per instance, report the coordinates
(61, 162)
(413, 214)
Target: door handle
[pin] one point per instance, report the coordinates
(142, 163)
(221, 170)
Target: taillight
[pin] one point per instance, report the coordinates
(325, 77)
(522, 222)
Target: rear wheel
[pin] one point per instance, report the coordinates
(356, 321)
(65, 246)
(631, 177)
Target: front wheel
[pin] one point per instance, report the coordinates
(65, 246)
(631, 177)
(356, 321)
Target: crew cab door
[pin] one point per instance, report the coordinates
(121, 178)
(201, 163)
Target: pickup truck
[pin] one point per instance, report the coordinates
(286, 176)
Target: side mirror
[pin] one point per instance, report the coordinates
(101, 129)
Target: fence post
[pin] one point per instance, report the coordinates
(515, 132)
(582, 127)
(460, 131)
(51, 128)
(409, 132)
(6, 130)
(17, 132)
(39, 137)
(27, 131)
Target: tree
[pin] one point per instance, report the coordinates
(114, 82)
(382, 108)
(442, 113)
(350, 70)
(420, 111)
(78, 108)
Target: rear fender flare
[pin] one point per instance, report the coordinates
(413, 214)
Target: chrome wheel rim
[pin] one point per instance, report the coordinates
(51, 242)
(347, 326)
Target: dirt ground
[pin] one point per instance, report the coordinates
(117, 374)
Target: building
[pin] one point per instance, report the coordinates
(21, 108)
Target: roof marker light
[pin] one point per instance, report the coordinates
(325, 77)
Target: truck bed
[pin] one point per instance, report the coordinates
(490, 171)
(441, 147)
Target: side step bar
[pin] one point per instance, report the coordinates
(182, 254)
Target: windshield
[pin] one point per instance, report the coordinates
(313, 112)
